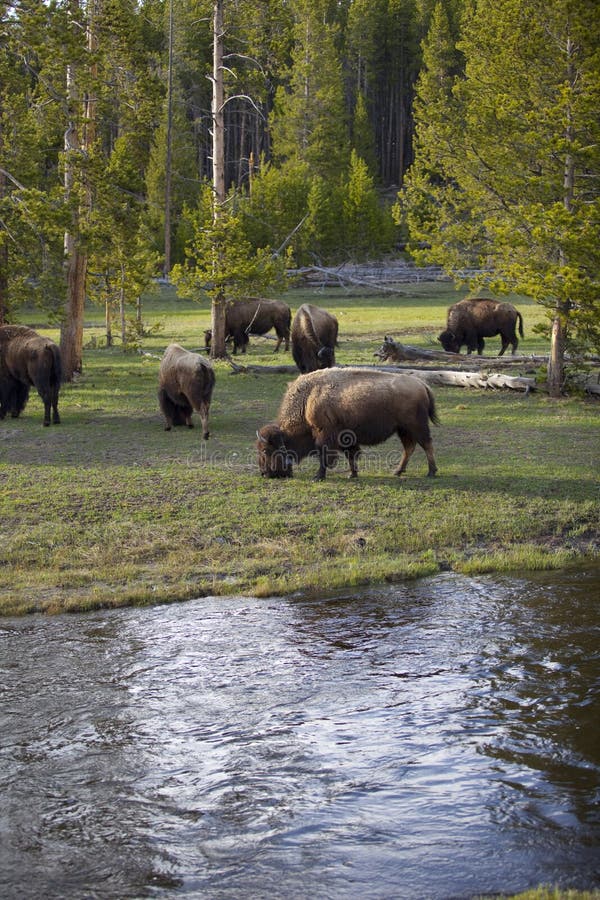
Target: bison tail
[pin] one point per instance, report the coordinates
(433, 416)
(56, 374)
(520, 318)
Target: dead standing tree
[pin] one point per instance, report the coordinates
(218, 350)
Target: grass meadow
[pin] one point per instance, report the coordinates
(108, 509)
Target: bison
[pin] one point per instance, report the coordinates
(254, 316)
(336, 410)
(470, 321)
(185, 383)
(26, 359)
(314, 338)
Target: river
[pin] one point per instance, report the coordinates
(428, 741)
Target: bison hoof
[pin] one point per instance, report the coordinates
(206, 435)
(46, 424)
(167, 427)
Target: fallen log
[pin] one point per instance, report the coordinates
(397, 352)
(435, 377)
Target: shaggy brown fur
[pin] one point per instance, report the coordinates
(470, 321)
(185, 383)
(314, 338)
(337, 410)
(255, 316)
(27, 359)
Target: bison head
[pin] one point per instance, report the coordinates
(449, 342)
(274, 460)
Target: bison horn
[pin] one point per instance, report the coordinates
(261, 438)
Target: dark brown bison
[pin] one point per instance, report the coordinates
(470, 321)
(314, 338)
(185, 383)
(337, 410)
(27, 359)
(255, 316)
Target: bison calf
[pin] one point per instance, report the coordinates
(185, 383)
(336, 410)
(27, 359)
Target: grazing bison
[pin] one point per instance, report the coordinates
(185, 383)
(26, 359)
(337, 410)
(246, 317)
(470, 321)
(314, 338)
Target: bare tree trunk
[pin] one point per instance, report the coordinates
(108, 321)
(122, 312)
(3, 258)
(556, 364)
(217, 346)
(71, 333)
(169, 155)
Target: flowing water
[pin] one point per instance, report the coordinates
(433, 740)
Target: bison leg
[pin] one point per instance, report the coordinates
(513, 341)
(203, 413)
(327, 456)
(428, 448)
(352, 454)
(409, 445)
(169, 410)
(18, 397)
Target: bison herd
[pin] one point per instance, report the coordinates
(325, 412)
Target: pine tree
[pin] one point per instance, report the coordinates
(515, 175)
(309, 122)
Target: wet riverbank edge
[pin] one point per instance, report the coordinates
(109, 510)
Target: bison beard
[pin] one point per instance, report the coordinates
(334, 411)
(186, 382)
(27, 359)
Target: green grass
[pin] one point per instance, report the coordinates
(544, 893)
(108, 509)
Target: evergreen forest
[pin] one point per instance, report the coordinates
(463, 132)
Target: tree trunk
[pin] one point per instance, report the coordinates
(217, 346)
(3, 260)
(108, 321)
(71, 333)
(169, 154)
(556, 362)
(123, 308)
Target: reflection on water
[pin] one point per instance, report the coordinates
(435, 740)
